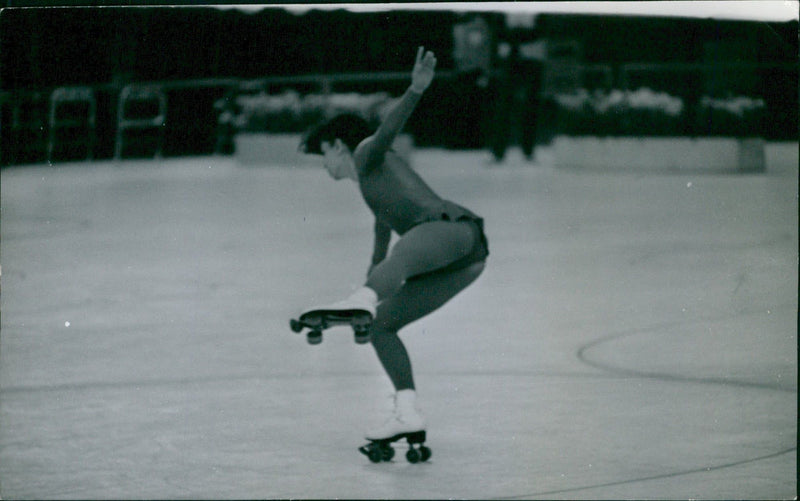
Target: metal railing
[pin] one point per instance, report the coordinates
(72, 109)
(27, 102)
(21, 108)
(705, 71)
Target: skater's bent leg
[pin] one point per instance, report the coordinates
(393, 356)
(424, 248)
(416, 298)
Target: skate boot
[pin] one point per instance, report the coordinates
(407, 423)
(364, 299)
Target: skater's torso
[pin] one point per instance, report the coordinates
(401, 199)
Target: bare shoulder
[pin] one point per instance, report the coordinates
(363, 156)
(364, 146)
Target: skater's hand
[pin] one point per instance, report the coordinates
(422, 75)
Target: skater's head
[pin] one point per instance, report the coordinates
(350, 128)
(336, 139)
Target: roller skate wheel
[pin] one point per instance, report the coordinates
(413, 456)
(425, 453)
(362, 337)
(375, 455)
(314, 337)
(387, 453)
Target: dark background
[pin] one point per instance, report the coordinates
(44, 48)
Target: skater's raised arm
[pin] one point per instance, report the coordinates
(375, 147)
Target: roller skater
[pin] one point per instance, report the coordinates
(440, 251)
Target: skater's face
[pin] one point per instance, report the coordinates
(338, 160)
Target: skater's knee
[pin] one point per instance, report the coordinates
(377, 335)
(380, 336)
(387, 321)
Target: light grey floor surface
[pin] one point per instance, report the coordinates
(633, 336)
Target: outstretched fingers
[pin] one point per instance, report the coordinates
(424, 68)
(425, 58)
(429, 61)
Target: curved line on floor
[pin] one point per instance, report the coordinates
(653, 477)
(581, 354)
(665, 376)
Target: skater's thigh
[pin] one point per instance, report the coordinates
(433, 245)
(422, 295)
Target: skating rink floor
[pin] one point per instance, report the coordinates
(634, 335)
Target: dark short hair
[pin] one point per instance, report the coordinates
(349, 127)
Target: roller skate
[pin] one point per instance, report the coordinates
(358, 311)
(406, 423)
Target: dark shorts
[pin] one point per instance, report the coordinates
(480, 249)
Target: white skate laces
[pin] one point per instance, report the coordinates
(406, 418)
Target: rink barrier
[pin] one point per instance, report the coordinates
(736, 155)
(26, 111)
